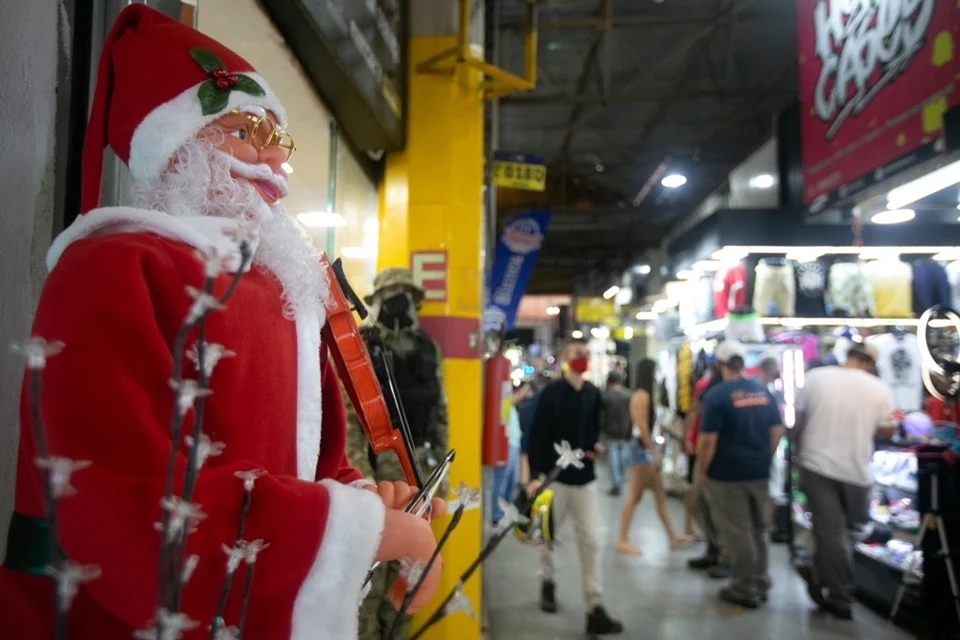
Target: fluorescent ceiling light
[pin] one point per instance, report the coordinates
(553, 311)
(894, 216)
(924, 186)
(804, 255)
(358, 253)
(762, 181)
(707, 265)
(624, 296)
(577, 335)
(662, 305)
(612, 291)
(947, 256)
(644, 269)
(687, 274)
(287, 168)
(646, 315)
(628, 333)
(729, 255)
(318, 219)
(674, 180)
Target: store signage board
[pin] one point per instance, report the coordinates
(429, 269)
(594, 310)
(516, 254)
(875, 80)
(519, 171)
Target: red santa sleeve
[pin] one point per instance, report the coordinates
(106, 399)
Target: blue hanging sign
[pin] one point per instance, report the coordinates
(516, 253)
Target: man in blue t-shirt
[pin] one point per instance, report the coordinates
(740, 429)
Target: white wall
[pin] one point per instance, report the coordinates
(28, 76)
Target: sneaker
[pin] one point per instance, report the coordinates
(735, 597)
(719, 572)
(548, 598)
(814, 590)
(702, 563)
(598, 622)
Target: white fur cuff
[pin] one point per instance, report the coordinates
(330, 596)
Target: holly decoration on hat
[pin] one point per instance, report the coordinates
(215, 92)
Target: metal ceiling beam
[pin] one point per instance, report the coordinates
(533, 99)
(600, 22)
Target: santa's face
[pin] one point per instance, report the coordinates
(258, 147)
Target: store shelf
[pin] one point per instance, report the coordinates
(909, 492)
(864, 551)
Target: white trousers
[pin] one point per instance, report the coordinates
(579, 502)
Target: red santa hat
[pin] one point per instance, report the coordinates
(159, 83)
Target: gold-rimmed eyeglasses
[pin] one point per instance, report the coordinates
(263, 132)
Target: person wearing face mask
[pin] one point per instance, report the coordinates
(417, 368)
(571, 409)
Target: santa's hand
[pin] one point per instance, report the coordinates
(409, 537)
(397, 495)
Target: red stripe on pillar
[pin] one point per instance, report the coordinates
(457, 337)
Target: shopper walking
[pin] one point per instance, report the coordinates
(617, 428)
(505, 478)
(645, 472)
(738, 434)
(570, 409)
(841, 409)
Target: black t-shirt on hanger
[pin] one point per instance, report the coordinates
(811, 284)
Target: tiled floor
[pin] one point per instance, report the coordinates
(656, 596)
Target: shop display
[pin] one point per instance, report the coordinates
(931, 286)
(849, 293)
(899, 367)
(891, 281)
(810, 287)
(773, 289)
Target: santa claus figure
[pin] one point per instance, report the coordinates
(204, 138)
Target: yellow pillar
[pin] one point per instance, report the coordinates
(431, 221)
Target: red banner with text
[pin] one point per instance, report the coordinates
(876, 77)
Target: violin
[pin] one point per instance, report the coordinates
(364, 367)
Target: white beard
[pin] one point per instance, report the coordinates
(199, 183)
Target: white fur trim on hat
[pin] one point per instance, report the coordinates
(168, 126)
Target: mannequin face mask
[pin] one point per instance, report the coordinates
(395, 311)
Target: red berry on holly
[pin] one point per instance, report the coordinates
(232, 79)
(222, 83)
(219, 72)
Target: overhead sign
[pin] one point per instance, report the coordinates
(429, 269)
(516, 253)
(594, 310)
(518, 171)
(876, 77)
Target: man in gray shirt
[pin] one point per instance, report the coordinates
(617, 427)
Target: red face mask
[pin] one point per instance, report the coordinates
(580, 365)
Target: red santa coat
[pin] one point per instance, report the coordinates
(116, 299)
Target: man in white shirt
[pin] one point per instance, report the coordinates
(840, 412)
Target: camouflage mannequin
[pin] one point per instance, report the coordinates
(417, 364)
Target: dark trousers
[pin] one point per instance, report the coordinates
(739, 510)
(839, 511)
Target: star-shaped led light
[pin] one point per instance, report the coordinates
(187, 392)
(213, 353)
(511, 515)
(568, 457)
(203, 303)
(460, 602)
(189, 566)
(173, 625)
(411, 571)
(61, 469)
(182, 515)
(70, 577)
(252, 549)
(227, 633)
(206, 448)
(246, 231)
(249, 478)
(36, 351)
(215, 261)
(235, 556)
(467, 497)
(536, 529)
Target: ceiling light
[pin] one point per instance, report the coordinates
(644, 269)
(287, 168)
(762, 181)
(577, 335)
(707, 266)
(624, 296)
(628, 333)
(599, 168)
(804, 255)
(673, 181)
(646, 315)
(924, 186)
(687, 274)
(553, 311)
(316, 219)
(612, 291)
(946, 256)
(894, 216)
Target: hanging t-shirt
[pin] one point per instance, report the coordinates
(773, 293)
(704, 297)
(899, 368)
(729, 289)
(849, 294)
(811, 284)
(953, 277)
(684, 378)
(930, 286)
(891, 281)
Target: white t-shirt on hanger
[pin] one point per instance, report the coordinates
(899, 368)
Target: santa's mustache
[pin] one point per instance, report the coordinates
(256, 172)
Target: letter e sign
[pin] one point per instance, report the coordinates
(429, 270)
